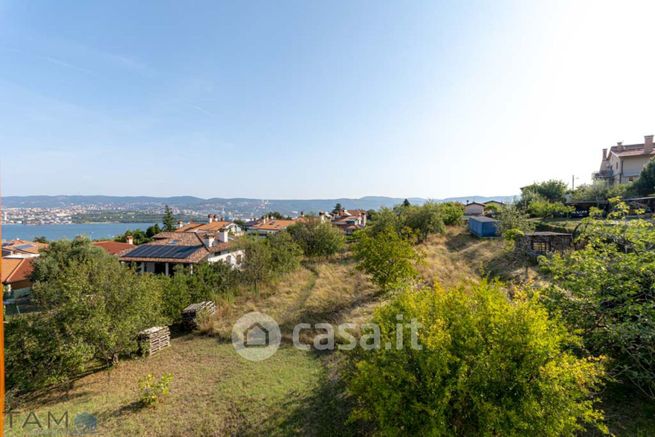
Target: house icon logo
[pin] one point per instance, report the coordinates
(256, 336)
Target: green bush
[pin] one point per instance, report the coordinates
(487, 366)
(607, 291)
(388, 258)
(317, 239)
(452, 213)
(544, 208)
(151, 390)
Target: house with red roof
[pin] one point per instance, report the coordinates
(16, 283)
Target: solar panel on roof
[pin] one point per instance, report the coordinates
(162, 251)
(24, 246)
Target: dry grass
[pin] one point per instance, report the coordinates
(457, 257)
(331, 291)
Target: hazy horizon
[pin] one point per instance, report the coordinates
(291, 100)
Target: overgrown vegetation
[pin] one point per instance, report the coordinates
(478, 364)
(317, 239)
(607, 291)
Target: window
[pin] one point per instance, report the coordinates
(239, 259)
(540, 246)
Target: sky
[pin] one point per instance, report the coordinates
(308, 99)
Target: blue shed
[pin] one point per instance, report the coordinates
(483, 226)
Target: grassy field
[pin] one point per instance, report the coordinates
(216, 392)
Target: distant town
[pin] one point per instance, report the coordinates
(38, 210)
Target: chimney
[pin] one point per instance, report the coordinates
(210, 218)
(180, 223)
(215, 218)
(364, 219)
(604, 154)
(209, 241)
(302, 213)
(648, 144)
(619, 145)
(130, 239)
(223, 236)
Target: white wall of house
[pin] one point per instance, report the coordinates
(632, 167)
(234, 258)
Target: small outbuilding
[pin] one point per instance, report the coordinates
(473, 208)
(482, 226)
(541, 243)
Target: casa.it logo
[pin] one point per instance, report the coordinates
(256, 336)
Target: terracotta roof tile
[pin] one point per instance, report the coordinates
(113, 247)
(16, 269)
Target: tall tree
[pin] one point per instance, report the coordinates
(168, 220)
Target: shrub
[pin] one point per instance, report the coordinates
(151, 391)
(388, 258)
(317, 239)
(513, 222)
(423, 220)
(452, 213)
(544, 208)
(487, 366)
(607, 291)
(40, 352)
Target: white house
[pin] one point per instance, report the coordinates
(623, 163)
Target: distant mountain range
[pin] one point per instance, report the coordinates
(240, 205)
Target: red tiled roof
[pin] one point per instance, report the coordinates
(197, 227)
(273, 225)
(113, 247)
(16, 269)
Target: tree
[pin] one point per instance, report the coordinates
(152, 231)
(138, 236)
(337, 208)
(645, 185)
(387, 257)
(607, 291)
(101, 303)
(452, 213)
(257, 264)
(285, 253)
(61, 254)
(423, 220)
(477, 364)
(316, 238)
(544, 208)
(552, 190)
(168, 220)
(275, 215)
(512, 222)
(406, 203)
(40, 239)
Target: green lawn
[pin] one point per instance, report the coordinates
(214, 392)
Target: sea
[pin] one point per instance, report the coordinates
(95, 231)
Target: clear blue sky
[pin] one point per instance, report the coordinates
(311, 99)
